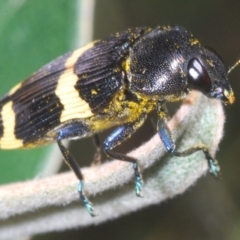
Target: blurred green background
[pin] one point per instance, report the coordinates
(32, 34)
(35, 32)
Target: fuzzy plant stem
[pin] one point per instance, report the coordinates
(51, 204)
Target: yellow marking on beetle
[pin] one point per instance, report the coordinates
(194, 41)
(229, 96)
(93, 91)
(74, 106)
(15, 88)
(126, 65)
(125, 112)
(8, 140)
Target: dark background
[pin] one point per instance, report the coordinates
(210, 209)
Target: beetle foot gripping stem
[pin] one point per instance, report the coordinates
(85, 200)
(213, 166)
(138, 180)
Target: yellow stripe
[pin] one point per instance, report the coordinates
(74, 106)
(8, 140)
(15, 88)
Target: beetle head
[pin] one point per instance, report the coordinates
(207, 73)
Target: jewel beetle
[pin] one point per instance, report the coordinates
(114, 82)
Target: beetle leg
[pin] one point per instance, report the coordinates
(169, 144)
(70, 161)
(116, 138)
(97, 156)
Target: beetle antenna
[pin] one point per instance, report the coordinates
(234, 66)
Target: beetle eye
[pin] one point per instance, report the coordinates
(198, 77)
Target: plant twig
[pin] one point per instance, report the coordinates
(52, 203)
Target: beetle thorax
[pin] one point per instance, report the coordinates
(158, 69)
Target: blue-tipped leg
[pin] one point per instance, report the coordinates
(85, 200)
(138, 181)
(214, 168)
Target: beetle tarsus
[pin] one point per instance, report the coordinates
(213, 166)
(138, 180)
(85, 200)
